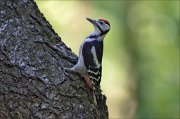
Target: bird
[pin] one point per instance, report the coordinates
(89, 63)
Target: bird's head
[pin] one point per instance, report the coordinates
(100, 25)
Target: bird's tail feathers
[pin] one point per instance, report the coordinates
(97, 96)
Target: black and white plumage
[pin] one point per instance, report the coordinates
(92, 54)
(89, 63)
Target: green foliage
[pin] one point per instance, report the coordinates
(141, 51)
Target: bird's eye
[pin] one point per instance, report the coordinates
(101, 22)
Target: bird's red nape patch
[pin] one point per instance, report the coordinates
(107, 22)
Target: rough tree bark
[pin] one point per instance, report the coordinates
(33, 83)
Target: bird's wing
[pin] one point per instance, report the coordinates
(92, 53)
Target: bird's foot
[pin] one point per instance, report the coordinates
(67, 71)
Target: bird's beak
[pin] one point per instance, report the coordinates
(92, 21)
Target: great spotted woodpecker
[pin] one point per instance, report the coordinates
(89, 63)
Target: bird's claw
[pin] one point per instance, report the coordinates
(69, 70)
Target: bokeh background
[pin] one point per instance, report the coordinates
(141, 52)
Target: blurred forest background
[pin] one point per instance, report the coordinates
(141, 51)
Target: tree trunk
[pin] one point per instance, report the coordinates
(33, 83)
